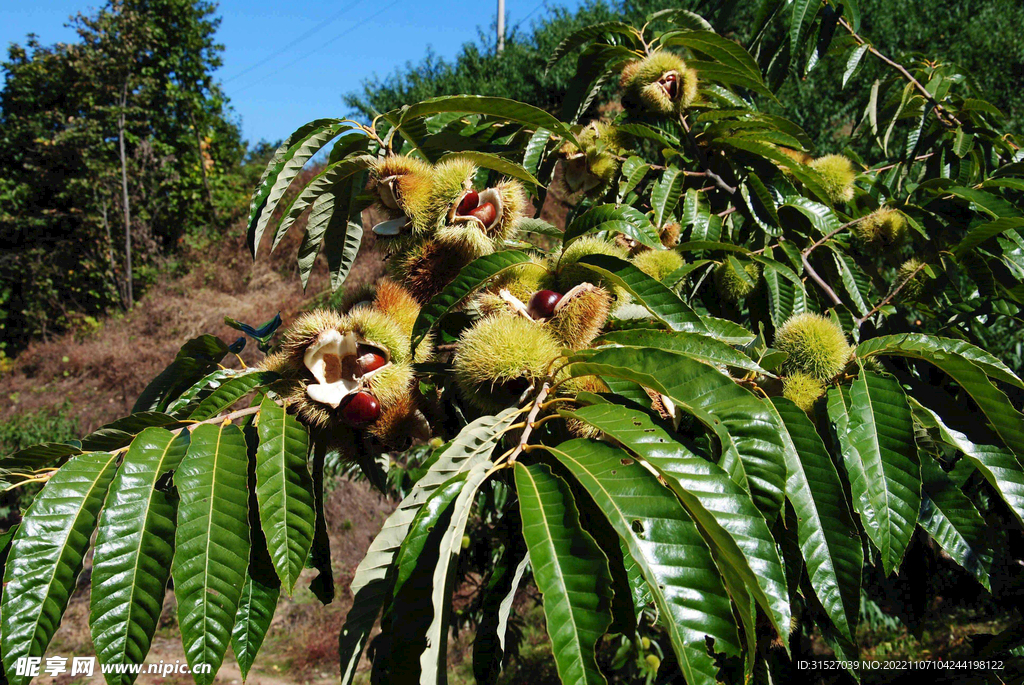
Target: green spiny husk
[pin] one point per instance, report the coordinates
(816, 345)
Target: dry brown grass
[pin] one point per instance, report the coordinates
(104, 373)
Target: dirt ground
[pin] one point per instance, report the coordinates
(301, 645)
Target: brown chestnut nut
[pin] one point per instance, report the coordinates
(470, 201)
(362, 408)
(369, 359)
(486, 213)
(542, 304)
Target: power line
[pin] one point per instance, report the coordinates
(543, 3)
(295, 42)
(319, 47)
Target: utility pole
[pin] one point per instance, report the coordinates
(501, 25)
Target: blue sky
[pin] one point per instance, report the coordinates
(348, 41)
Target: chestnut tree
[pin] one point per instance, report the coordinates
(745, 377)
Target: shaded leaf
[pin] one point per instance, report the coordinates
(570, 570)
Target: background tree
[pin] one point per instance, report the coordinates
(132, 104)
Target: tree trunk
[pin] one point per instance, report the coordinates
(129, 299)
(110, 250)
(202, 166)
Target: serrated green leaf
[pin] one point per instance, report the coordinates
(648, 292)
(666, 544)
(284, 491)
(538, 227)
(665, 194)
(328, 225)
(488, 160)
(978, 235)
(133, 554)
(489, 645)
(341, 250)
(963, 143)
(633, 171)
(853, 63)
(120, 433)
(411, 611)
(211, 543)
(826, 531)
(719, 48)
(730, 76)
(881, 431)
(730, 521)
(952, 520)
(996, 464)
(285, 165)
(786, 294)
(333, 174)
(190, 399)
(370, 585)
(822, 218)
(322, 586)
(613, 218)
(810, 178)
(46, 556)
(800, 21)
(699, 347)
(570, 570)
(471, 277)
(761, 203)
(936, 350)
(230, 392)
(658, 135)
(38, 456)
(502, 108)
(587, 34)
(752, 450)
(534, 151)
(679, 17)
(434, 659)
(968, 366)
(260, 591)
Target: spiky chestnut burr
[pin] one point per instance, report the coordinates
(884, 228)
(837, 175)
(593, 164)
(660, 83)
(580, 314)
(802, 389)
(402, 187)
(568, 273)
(731, 285)
(658, 263)
(474, 221)
(670, 235)
(913, 278)
(427, 267)
(498, 359)
(815, 345)
(341, 373)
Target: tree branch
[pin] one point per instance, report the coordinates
(703, 160)
(818, 279)
(530, 418)
(944, 116)
(888, 298)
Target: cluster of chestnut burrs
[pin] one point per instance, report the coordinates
(350, 373)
